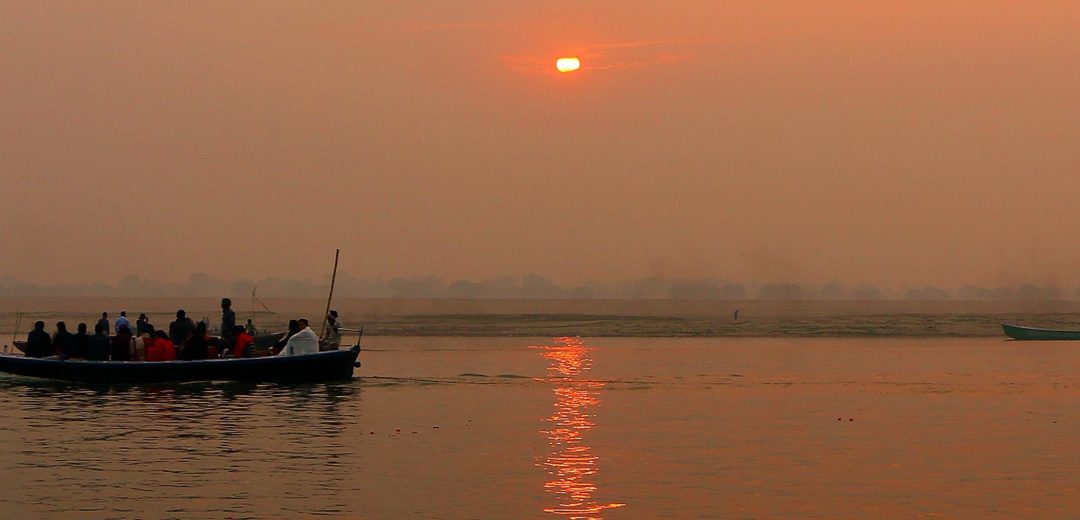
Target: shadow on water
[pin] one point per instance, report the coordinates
(298, 394)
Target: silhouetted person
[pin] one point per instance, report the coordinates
(97, 347)
(38, 342)
(63, 341)
(104, 322)
(737, 314)
(121, 345)
(294, 327)
(196, 347)
(81, 339)
(228, 321)
(143, 326)
(181, 329)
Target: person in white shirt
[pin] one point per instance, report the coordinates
(303, 342)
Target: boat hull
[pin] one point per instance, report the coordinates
(321, 366)
(1021, 332)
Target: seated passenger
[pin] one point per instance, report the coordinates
(196, 346)
(143, 345)
(169, 349)
(243, 344)
(63, 341)
(81, 340)
(332, 334)
(181, 329)
(160, 348)
(303, 342)
(38, 342)
(122, 345)
(97, 346)
(294, 327)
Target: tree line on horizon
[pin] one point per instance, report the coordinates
(521, 287)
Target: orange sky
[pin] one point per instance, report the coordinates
(882, 142)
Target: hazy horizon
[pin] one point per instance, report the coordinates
(868, 143)
(526, 287)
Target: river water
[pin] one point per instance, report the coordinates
(550, 427)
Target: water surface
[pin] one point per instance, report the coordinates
(571, 428)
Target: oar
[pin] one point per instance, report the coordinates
(333, 278)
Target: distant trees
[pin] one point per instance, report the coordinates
(530, 286)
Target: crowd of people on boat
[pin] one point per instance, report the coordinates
(184, 339)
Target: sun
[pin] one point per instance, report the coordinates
(567, 64)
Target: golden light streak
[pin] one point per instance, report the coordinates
(572, 463)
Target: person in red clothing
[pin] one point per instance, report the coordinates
(164, 347)
(243, 344)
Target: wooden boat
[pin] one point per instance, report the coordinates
(1031, 333)
(262, 341)
(319, 366)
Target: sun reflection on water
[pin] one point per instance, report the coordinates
(571, 463)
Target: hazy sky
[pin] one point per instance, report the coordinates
(771, 141)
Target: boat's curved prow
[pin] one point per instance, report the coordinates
(1020, 332)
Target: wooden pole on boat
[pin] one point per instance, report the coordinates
(333, 278)
(18, 321)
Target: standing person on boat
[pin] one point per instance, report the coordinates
(196, 345)
(104, 322)
(228, 321)
(81, 339)
(250, 328)
(294, 327)
(122, 321)
(63, 341)
(122, 345)
(332, 334)
(181, 329)
(38, 342)
(303, 342)
(143, 326)
(97, 347)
